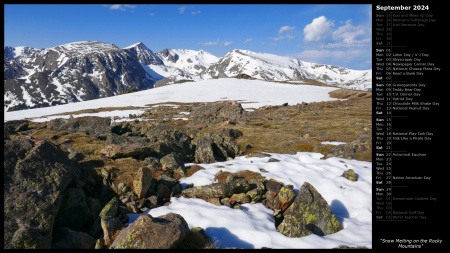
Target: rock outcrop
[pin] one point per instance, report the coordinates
(37, 175)
(309, 214)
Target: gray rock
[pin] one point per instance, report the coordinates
(217, 112)
(147, 232)
(70, 239)
(309, 214)
(35, 177)
(142, 182)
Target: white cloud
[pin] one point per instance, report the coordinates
(247, 40)
(215, 43)
(318, 29)
(195, 12)
(282, 37)
(152, 14)
(209, 43)
(182, 9)
(286, 28)
(120, 7)
(348, 33)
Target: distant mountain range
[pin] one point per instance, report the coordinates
(88, 70)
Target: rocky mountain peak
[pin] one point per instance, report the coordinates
(87, 70)
(144, 54)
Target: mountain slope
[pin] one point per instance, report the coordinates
(279, 68)
(70, 73)
(89, 70)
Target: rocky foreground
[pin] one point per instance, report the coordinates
(70, 183)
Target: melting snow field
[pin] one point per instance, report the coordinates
(252, 226)
(250, 93)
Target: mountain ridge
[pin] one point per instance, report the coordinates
(85, 70)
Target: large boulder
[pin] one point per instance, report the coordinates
(147, 232)
(74, 212)
(35, 178)
(71, 239)
(165, 139)
(123, 150)
(309, 214)
(91, 125)
(210, 148)
(210, 114)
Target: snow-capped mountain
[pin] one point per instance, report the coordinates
(279, 68)
(88, 70)
(144, 54)
(181, 64)
(70, 73)
(12, 52)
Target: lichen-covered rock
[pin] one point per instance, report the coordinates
(173, 164)
(217, 112)
(196, 239)
(74, 212)
(91, 125)
(14, 126)
(171, 183)
(35, 177)
(272, 201)
(286, 196)
(350, 175)
(216, 190)
(204, 151)
(210, 148)
(346, 151)
(309, 214)
(162, 193)
(142, 182)
(108, 221)
(70, 239)
(169, 139)
(239, 198)
(147, 232)
(109, 211)
(123, 150)
(110, 227)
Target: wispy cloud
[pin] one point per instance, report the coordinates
(247, 40)
(282, 37)
(286, 28)
(318, 29)
(348, 33)
(151, 14)
(209, 43)
(182, 9)
(215, 43)
(119, 7)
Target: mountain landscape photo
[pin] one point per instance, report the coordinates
(82, 71)
(159, 135)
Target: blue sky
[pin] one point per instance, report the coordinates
(336, 34)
